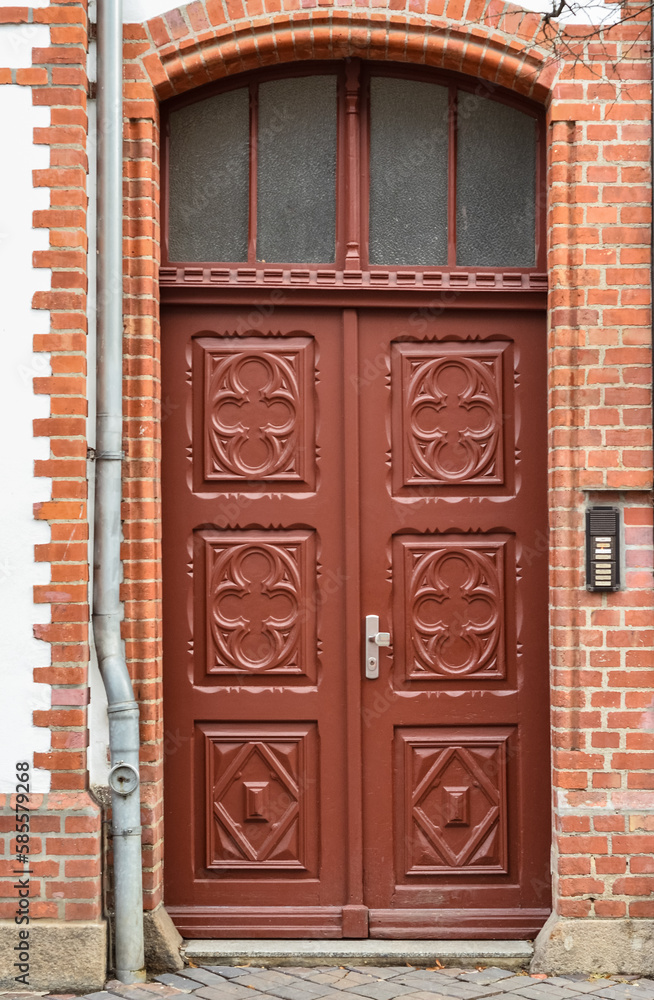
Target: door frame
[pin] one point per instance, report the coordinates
(530, 75)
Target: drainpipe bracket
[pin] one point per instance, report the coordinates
(122, 706)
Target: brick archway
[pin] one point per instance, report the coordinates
(186, 48)
(498, 43)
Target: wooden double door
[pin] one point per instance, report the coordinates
(322, 465)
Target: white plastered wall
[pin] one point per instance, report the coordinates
(18, 40)
(20, 652)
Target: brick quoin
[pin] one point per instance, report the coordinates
(58, 81)
(598, 218)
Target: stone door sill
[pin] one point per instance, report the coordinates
(466, 954)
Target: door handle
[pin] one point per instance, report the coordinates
(373, 640)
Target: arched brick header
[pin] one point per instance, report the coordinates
(496, 42)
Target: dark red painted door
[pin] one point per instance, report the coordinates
(320, 466)
(254, 638)
(453, 543)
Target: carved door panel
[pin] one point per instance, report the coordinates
(453, 543)
(253, 608)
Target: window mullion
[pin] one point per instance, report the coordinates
(451, 182)
(353, 165)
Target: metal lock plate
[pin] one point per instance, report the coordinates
(372, 641)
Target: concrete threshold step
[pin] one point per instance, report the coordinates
(466, 954)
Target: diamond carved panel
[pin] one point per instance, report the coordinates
(454, 607)
(448, 419)
(261, 797)
(454, 794)
(257, 410)
(258, 604)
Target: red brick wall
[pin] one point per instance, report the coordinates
(141, 590)
(600, 437)
(65, 849)
(600, 422)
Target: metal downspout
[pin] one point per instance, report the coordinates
(122, 707)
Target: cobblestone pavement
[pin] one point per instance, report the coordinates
(351, 982)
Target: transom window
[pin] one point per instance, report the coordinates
(353, 166)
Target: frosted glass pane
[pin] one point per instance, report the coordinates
(296, 151)
(209, 179)
(408, 172)
(496, 184)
